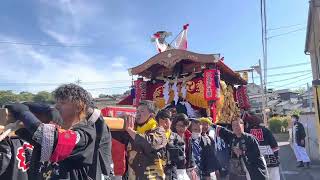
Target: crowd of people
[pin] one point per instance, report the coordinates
(71, 141)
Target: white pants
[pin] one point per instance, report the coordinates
(301, 153)
(274, 173)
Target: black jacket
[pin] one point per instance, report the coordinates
(15, 156)
(300, 133)
(178, 156)
(90, 157)
(251, 154)
(267, 143)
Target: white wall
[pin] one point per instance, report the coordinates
(312, 140)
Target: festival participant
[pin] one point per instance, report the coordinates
(299, 143)
(15, 156)
(175, 168)
(203, 149)
(245, 155)
(81, 150)
(180, 126)
(145, 143)
(267, 144)
(15, 152)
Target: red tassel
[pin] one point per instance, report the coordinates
(185, 26)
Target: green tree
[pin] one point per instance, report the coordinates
(296, 112)
(43, 96)
(26, 96)
(7, 97)
(102, 95)
(275, 125)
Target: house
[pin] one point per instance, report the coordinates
(287, 107)
(286, 95)
(312, 48)
(253, 89)
(255, 97)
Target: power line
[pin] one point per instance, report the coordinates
(289, 32)
(282, 74)
(286, 66)
(304, 84)
(294, 82)
(285, 27)
(288, 79)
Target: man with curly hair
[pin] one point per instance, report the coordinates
(78, 149)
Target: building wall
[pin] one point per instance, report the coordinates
(312, 139)
(313, 48)
(314, 37)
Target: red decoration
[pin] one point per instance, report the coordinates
(23, 160)
(243, 98)
(66, 142)
(185, 26)
(118, 152)
(126, 101)
(141, 91)
(212, 84)
(213, 112)
(152, 87)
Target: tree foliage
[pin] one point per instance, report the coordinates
(279, 124)
(10, 97)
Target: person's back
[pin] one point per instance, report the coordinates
(15, 156)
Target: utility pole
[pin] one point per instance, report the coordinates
(265, 58)
(263, 110)
(264, 38)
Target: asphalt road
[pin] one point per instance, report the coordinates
(288, 168)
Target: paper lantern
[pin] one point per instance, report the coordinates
(211, 84)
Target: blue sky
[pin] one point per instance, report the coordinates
(115, 36)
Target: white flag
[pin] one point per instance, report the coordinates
(181, 42)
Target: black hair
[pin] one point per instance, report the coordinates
(295, 116)
(238, 119)
(180, 117)
(163, 114)
(73, 93)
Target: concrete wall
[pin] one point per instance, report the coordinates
(312, 139)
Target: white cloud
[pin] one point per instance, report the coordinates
(83, 22)
(75, 23)
(25, 64)
(119, 62)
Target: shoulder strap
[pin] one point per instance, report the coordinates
(99, 129)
